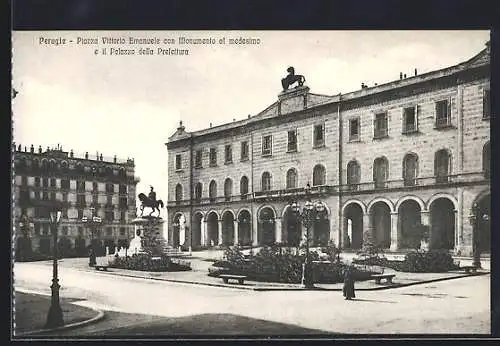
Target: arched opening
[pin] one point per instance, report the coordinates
(196, 231)
(321, 230)
(292, 228)
(228, 189)
(291, 178)
(212, 191)
(23, 248)
(486, 160)
(381, 224)
(44, 246)
(266, 181)
(227, 228)
(178, 193)
(380, 172)
(353, 226)
(122, 173)
(244, 187)
(198, 189)
(484, 228)
(80, 246)
(442, 165)
(266, 226)
(109, 172)
(319, 175)
(212, 229)
(410, 167)
(442, 215)
(353, 175)
(244, 228)
(409, 224)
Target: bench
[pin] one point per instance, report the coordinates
(226, 277)
(388, 277)
(101, 267)
(469, 269)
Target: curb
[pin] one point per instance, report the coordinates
(100, 316)
(284, 288)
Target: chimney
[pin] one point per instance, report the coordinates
(210, 124)
(404, 76)
(248, 116)
(415, 72)
(400, 75)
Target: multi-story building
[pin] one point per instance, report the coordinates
(384, 160)
(83, 187)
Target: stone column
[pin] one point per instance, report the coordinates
(219, 230)
(367, 229)
(425, 221)
(458, 225)
(255, 230)
(236, 232)
(278, 230)
(394, 232)
(203, 229)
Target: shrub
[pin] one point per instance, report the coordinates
(144, 262)
(433, 261)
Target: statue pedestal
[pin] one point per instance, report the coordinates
(148, 238)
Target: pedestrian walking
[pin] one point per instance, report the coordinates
(348, 289)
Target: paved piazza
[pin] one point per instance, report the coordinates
(446, 307)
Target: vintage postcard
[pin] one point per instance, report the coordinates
(258, 184)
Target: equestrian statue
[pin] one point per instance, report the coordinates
(150, 202)
(292, 78)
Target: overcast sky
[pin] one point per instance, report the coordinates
(130, 105)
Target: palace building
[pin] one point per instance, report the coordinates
(82, 187)
(386, 161)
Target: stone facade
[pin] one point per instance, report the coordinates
(417, 151)
(76, 183)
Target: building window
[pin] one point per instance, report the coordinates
(410, 120)
(45, 196)
(319, 136)
(443, 114)
(37, 195)
(178, 162)
(213, 157)
(410, 168)
(45, 229)
(291, 178)
(353, 175)
(198, 190)
(380, 172)
(442, 164)
(122, 173)
(109, 231)
(122, 189)
(178, 192)
(122, 231)
(37, 181)
(80, 213)
(37, 229)
(65, 184)
(94, 186)
(123, 216)
(267, 145)
(110, 188)
(65, 197)
(354, 129)
(228, 189)
(122, 202)
(292, 141)
(95, 200)
(380, 125)
(486, 104)
(212, 191)
(24, 180)
(109, 201)
(319, 175)
(80, 200)
(80, 186)
(244, 151)
(266, 181)
(52, 196)
(65, 213)
(198, 157)
(45, 182)
(109, 215)
(24, 196)
(228, 154)
(52, 182)
(244, 186)
(486, 160)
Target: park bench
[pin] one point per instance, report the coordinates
(469, 269)
(101, 267)
(226, 277)
(387, 277)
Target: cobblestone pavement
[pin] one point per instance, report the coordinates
(445, 307)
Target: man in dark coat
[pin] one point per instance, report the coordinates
(348, 289)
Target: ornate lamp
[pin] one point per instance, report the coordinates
(55, 315)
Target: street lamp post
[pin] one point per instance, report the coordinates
(310, 213)
(474, 220)
(92, 223)
(55, 315)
